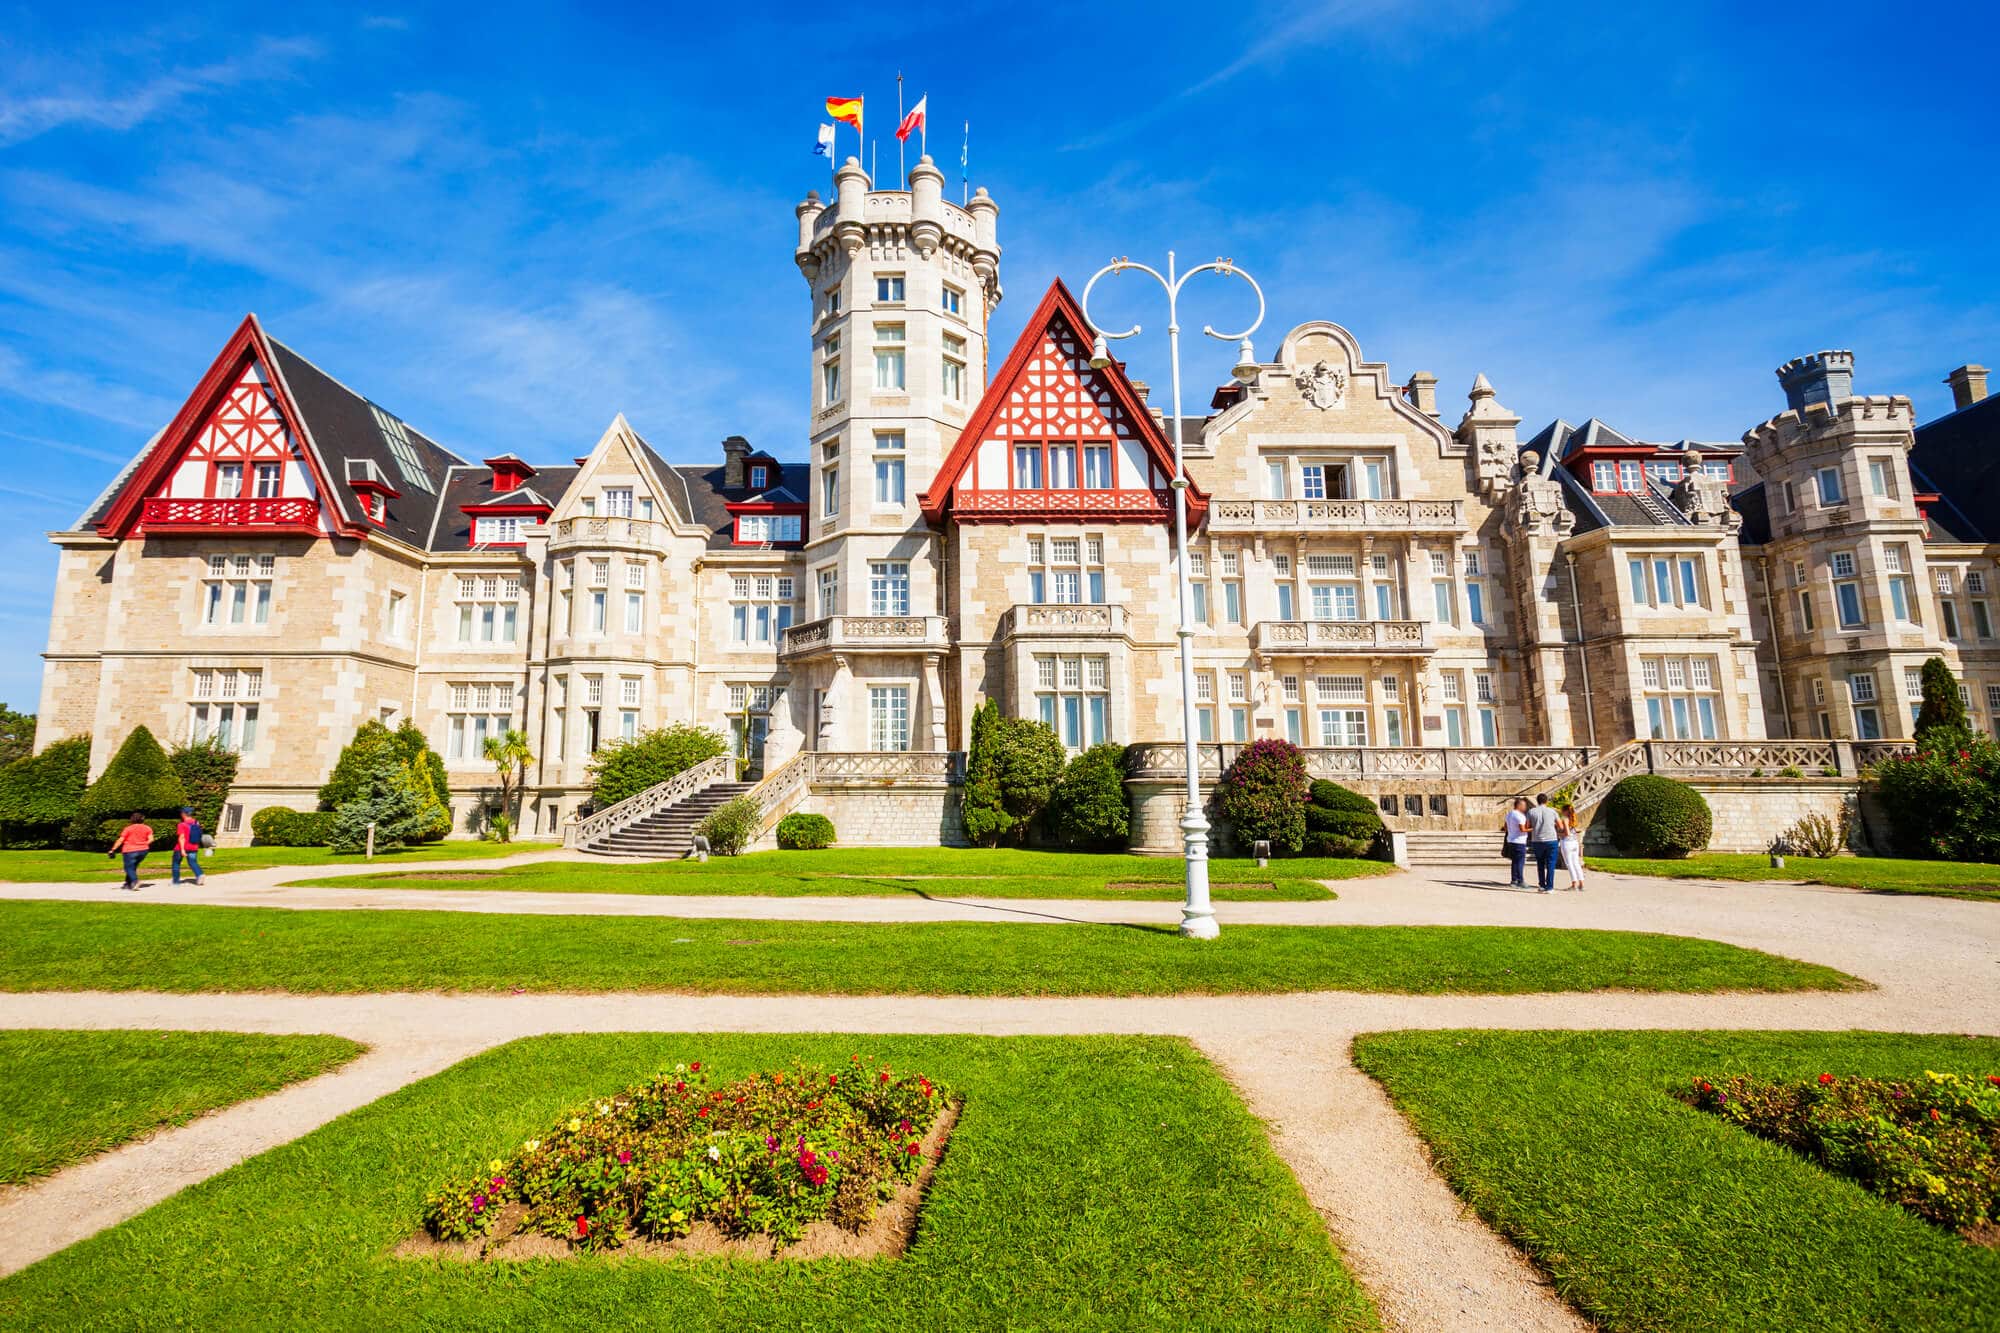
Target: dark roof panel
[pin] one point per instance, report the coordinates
(1959, 454)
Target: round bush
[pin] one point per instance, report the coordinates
(805, 833)
(1340, 822)
(276, 826)
(1654, 816)
(1263, 795)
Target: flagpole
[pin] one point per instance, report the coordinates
(964, 153)
(902, 168)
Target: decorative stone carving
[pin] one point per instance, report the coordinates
(1705, 500)
(1324, 386)
(1538, 509)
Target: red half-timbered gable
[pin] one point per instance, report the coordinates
(1054, 439)
(233, 459)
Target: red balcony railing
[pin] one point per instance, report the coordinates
(294, 514)
(1038, 504)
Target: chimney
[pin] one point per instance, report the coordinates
(734, 450)
(1823, 377)
(509, 472)
(1143, 389)
(1422, 391)
(1968, 385)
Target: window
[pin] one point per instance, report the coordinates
(1982, 620)
(1232, 603)
(1880, 476)
(1847, 599)
(398, 618)
(760, 608)
(829, 591)
(1631, 477)
(832, 301)
(402, 450)
(635, 612)
(889, 288)
(1489, 728)
(1665, 580)
(618, 502)
(954, 300)
(1204, 698)
(1603, 477)
(1902, 589)
(1027, 467)
(1868, 724)
(1442, 600)
(1664, 471)
(1948, 613)
(237, 590)
(1843, 564)
(889, 477)
(888, 589)
(1312, 479)
(1072, 698)
(1805, 612)
(1343, 726)
(1475, 602)
(763, 529)
(1828, 479)
(1681, 700)
(1199, 593)
(270, 479)
(1913, 682)
(888, 717)
(1373, 470)
(829, 491)
(1721, 471)
(953, 367)
(482, 709)
(489, 608)
(1277, 480)
(889, 353)
(1942, 577)
(1097, 467)
(829, 373)
(1975, 582)
(497, 530)
(760, 477)
(1062, 467)
(225, 708)
(228, 481)
(1482, 686)
(1861, 687)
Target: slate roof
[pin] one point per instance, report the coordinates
(708, 496)
(1958, 456)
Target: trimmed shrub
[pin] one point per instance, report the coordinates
(389, 800)
(1944, 803)
(986, 820)
(805, 833)
(1941, 723)
(206, 770)
(1089, 808)
(1340, 822)
(731, 825)
(40, 795)
(1263, 795)
(276, 826)
(1654, 816)
(626, 768)
(139, 777)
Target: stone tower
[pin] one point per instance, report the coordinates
(902, 283)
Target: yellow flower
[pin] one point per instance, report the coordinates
(496, 1165)
(575, 1124)
(531, 1145)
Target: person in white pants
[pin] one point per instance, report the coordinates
(1571, 844)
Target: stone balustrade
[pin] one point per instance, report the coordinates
(1061, 621)
(649, 533)
(866, 634)
(1357, 516)
(1375, 638)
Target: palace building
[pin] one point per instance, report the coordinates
(1416, 600)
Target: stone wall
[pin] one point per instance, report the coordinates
(874, 814)
(1750, 812)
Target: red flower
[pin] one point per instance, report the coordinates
(1994, 1079)
(885, 1076)
(1935, 1115)
(1825, 1079)
(702, 1114)
(832, 1080)
(915, 1149)
(695, 1067)
(680, 1087)
(582, 1225)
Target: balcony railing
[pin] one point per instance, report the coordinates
(865, 634)
(1336, 762)
(1322, 637)
(1336, 515)
(647, 532)
(1030, 504)
(1061, 620)
(297, 513)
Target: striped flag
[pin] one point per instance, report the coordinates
(845, 109)
(915, 120)
(824, 148)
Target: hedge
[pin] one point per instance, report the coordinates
(1649, 815)
(39, 795)
(277, 826)
(139, 778)
(1340, 822)
(805, 833)
(1089, 809)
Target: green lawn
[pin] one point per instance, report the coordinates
(141, 946)
(1881, 874)
(931, 872)
(1649, 1214)
(67, 1095)
(60, 867)
(1091, 1183)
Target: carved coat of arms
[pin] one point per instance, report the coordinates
(1323, 386)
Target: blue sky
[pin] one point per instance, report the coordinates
(507, 224)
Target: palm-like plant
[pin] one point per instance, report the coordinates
(510, 756)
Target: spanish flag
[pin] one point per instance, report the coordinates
(845, 108)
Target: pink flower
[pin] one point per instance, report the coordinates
(478, 1202)
(625, 1157)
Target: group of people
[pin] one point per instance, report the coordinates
(1549, 834)
(136, 839)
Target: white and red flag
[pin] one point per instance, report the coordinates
(914, 122)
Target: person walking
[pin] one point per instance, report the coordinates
(133, 842)
(1515, 827)
(187, 843)
(1571, 845)
(1543, 842)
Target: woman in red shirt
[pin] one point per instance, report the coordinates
(134, 841)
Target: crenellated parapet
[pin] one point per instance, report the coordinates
(888, 223)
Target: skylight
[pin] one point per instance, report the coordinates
(405, 453)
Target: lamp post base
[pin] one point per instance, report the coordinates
(1199, 926)
(1197, 915)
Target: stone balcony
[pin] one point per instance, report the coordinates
(1035, 620)
(1356, 516)
(865, 634)
(647, 533)
(1333, 638)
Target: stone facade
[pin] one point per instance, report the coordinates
(287, 560)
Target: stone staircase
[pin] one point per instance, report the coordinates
(667, 833)
(1455, 847)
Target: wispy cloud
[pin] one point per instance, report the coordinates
(26, 114)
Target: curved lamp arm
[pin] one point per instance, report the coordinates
(1229, 268)
(1120, 266)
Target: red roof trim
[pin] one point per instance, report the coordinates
(502, 511)
(245, 346)
(1057, 301)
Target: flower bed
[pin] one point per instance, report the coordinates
(1933, 1146)
(675, 1162)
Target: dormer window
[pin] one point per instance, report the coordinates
(618, 502)
(497, 530)
(760, 477)
(1603, 477)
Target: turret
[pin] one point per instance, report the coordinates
(985, 236)
(851, 183)
(1826, 378)
(808, 210)
(926, 206)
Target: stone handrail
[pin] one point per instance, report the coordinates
(888, 765)
(1729, 758)
(1282, 636)
(1057, 619)
(659, 796)
(913, 631)
(1359, 515)
(1336, 762)
(1869, 753)
(646, 531)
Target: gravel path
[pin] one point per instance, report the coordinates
(1428, 1263)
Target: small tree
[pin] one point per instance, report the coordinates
(1028, 761)
(388, 799)
(17, 735)
(1263, 795)
(139, 777)
(626, 768)
(730, 826)
(986, 820)
(510, 756)
(351, 771)
(41, 794)
(1089, 808)
(207, 769)
(1941, 723)
(427, 767)
(1340, 822)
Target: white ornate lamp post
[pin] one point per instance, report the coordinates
(1197, 915)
